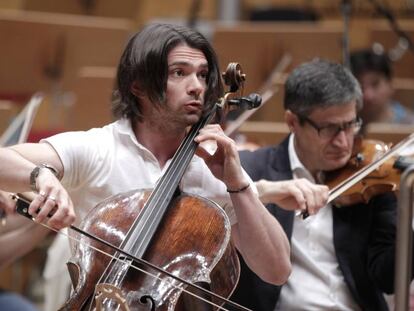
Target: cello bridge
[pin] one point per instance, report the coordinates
(109, 292)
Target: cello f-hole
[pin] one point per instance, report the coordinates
(147, 299)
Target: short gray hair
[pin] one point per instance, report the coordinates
(320, 84)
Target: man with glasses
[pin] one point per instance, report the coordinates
(332, 130)
(342, 258)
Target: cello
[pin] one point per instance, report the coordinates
(158, 247)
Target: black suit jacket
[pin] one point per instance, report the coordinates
(364, 240)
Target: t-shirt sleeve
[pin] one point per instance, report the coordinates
(80, 153)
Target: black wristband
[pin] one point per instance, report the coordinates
(238, 190)
(36, 171)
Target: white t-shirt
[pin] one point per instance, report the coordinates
(103, 162)
(106, 161)
(316, 281)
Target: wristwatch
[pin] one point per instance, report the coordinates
(35, 172)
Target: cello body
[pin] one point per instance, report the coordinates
(191, 242)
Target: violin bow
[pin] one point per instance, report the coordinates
(267, 91)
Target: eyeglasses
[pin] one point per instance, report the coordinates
(330, 131)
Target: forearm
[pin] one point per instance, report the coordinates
(19, 242)
(260, 238)
(12, 222)
(17, 162)
(51, 197)
(14, 171)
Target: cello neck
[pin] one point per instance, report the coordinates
(142, 230)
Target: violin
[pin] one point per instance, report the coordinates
(374, 168)
(145, 249)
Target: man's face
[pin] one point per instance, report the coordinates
(186, 85)
(317, 149)
(378, 92)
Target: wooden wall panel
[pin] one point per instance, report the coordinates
(35, 44)
(382, 33)
(259, 48)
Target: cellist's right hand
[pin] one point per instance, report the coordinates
(296, 194)
(51, 200)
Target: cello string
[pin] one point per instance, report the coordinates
(156, 204)
(164, 189)
(150, 214)
(139, 260)
(135, 267)
(166, 178)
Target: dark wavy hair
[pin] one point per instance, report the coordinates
(145, 60)
(367, 60)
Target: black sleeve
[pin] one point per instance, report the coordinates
(382, 242)
(254, 163)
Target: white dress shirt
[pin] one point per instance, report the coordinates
(316, 282)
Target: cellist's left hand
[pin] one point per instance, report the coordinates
(224, 162)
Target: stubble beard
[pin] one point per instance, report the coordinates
(172, 122)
